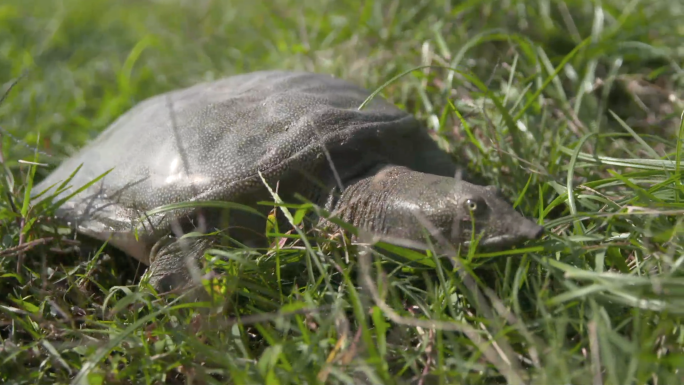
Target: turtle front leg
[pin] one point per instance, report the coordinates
(172, 261)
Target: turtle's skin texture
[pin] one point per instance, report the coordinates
(210, 141)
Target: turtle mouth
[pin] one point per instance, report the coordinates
(499, 240)
(507, 240)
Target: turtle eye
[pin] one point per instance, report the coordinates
(476, 206)
(471, 205)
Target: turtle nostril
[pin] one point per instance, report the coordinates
(538, 232)
(531, 230)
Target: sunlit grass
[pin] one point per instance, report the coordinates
(572, 108)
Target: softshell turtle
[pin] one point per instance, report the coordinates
(374, 167)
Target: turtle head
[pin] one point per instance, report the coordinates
(397, 203)
(485, 210)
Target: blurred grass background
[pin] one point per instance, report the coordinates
(569, 96)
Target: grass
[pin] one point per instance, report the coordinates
(571, 107)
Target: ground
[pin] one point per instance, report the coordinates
(571, 107)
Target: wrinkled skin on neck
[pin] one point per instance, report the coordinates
(389, 203)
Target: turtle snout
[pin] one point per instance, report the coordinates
(532, 230)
